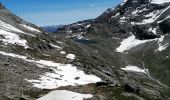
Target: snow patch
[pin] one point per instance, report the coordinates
(117, 14)
(55, 46)
(30, 28)
(153, 16)
(65, 95)
(46, 55)
(11, 38)
(60, 42)
(135, 69)
(163, 19)
(88, 26)
(122, 19)
(164, 10)
(159, 1)
(62, 75)
(123, 2)
(71, 56)
(135, 12)
(150, 18)
(70, 31)
(13, 55)
(63, 52)
(153, 30)
(129, 43)
(79, 36)
(162, 47)
(9, 27)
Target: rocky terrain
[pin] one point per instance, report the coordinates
(123, 54)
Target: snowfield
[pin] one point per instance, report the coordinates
(11, 38)
(9, 27)
(129, 43)
(9, 35)
(62, 75)
(65, 95)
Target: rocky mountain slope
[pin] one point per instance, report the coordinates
(32, 63)
(128, 46)
(123, 54)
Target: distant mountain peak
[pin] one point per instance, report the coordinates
(134, 3)
(2, 6)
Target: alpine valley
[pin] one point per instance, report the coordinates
(124, 54)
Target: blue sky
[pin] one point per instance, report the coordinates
(54, 12)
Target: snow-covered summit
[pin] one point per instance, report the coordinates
(148, 1)
(159, 1)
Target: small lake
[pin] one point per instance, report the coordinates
(84, 41)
